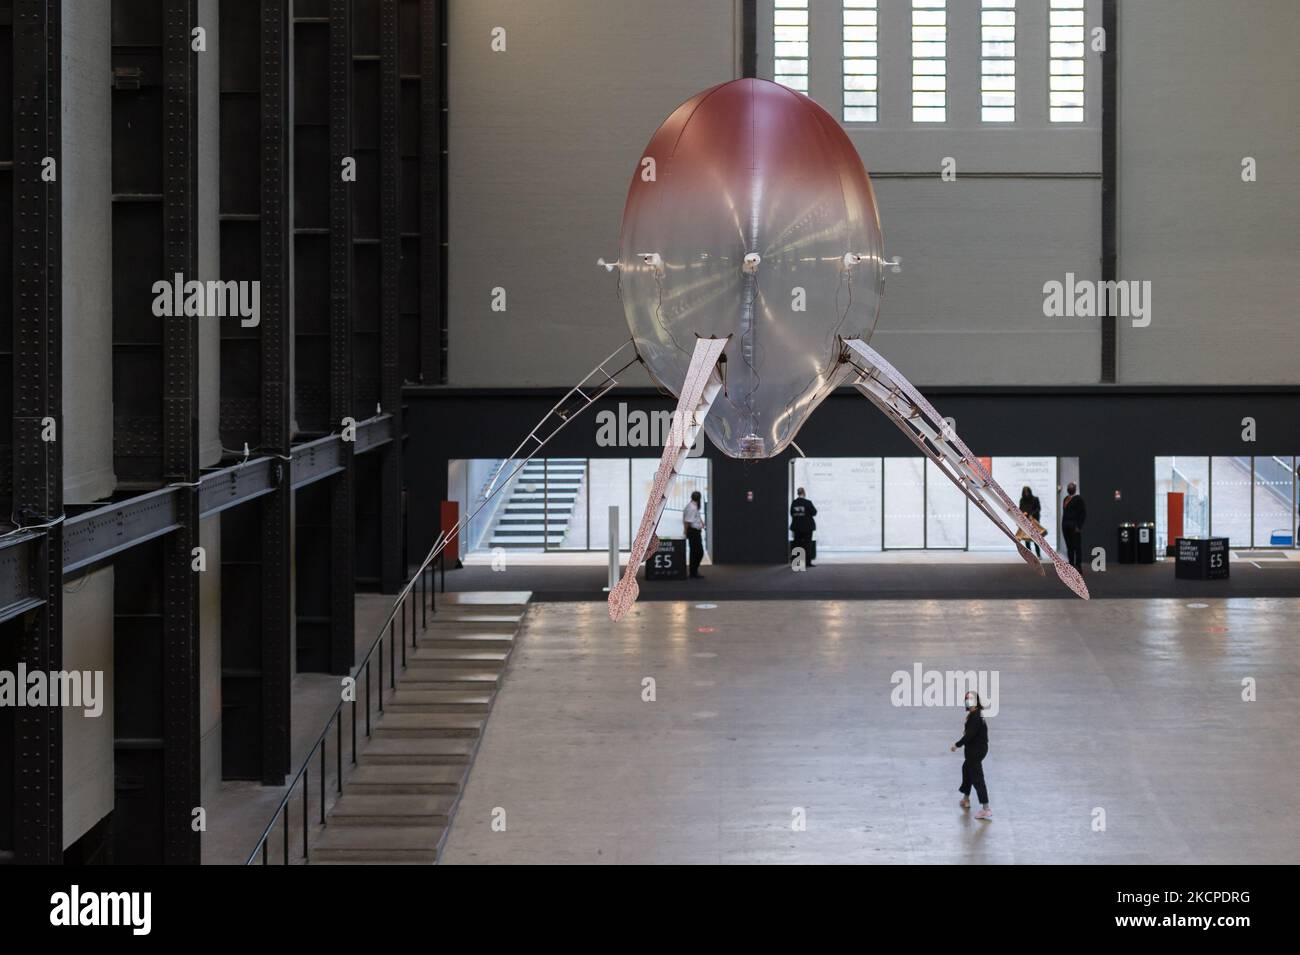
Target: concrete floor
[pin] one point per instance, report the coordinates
(764, 708)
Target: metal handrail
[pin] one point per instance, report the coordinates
(597, 383)
(436, 553)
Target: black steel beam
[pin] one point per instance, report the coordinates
(317, 460)
(276, 327)
(91, 537)
(375, 433)
(180, 441)
(341, 330)
(433, 190)
(232, 486)
(95, 536)
(392, 571)
(1109, 183)
(17, 595)
(749, 38)
(37, 405)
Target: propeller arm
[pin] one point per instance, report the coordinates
(900, 400)
(702, 384)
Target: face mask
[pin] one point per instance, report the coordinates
(970, 702)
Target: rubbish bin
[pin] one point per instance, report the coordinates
(1146, 542)
(1128, 543)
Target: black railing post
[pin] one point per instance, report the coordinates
(338, 769)
(322, 780)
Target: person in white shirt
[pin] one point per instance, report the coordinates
(693, 524)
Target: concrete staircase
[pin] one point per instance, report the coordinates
(540, 505)
(399, 801)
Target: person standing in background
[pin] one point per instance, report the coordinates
(1073, 513)
(1032, 508)
(802, 524)
(693, 525)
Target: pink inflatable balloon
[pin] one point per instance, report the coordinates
(756, 219)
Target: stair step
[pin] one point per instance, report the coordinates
(365, 809)
(448, 678)
(376, 858)
(411, 725)
(457, 657)
(450, 639)
(378, 843)
(455, 617)
(416, 752)
(398, 778)
(486, 601)
(439, 701)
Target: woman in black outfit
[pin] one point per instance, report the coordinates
(976, 743)
(1032, 507)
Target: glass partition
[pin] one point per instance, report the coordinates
(904, 503)
(1274, 500)
(1230, 493)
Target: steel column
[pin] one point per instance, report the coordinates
(342, 513)
(37, 402)
(276, 202)
(392, 571)
(1109, 185)
(180, 439)
(433, 190)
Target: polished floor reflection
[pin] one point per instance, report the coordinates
(1121, 735)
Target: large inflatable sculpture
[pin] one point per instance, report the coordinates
(751, 268)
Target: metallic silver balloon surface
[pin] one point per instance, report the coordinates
(752, 167)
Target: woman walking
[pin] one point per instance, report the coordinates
(975, 741)
(1032, 508)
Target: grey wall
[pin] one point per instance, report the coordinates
(209, 234)
(210, 659)
(1025, 207)
(543, 141)
(88, 741)
(87, 437)
(1202, 86)
(87, 254)
(544, 136)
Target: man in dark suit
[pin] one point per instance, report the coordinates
(802, 525)
(1073, 514)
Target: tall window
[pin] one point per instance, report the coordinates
(790, 22)
(998, 61)
(1065, 46)
(929, 61)
(860, 76)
